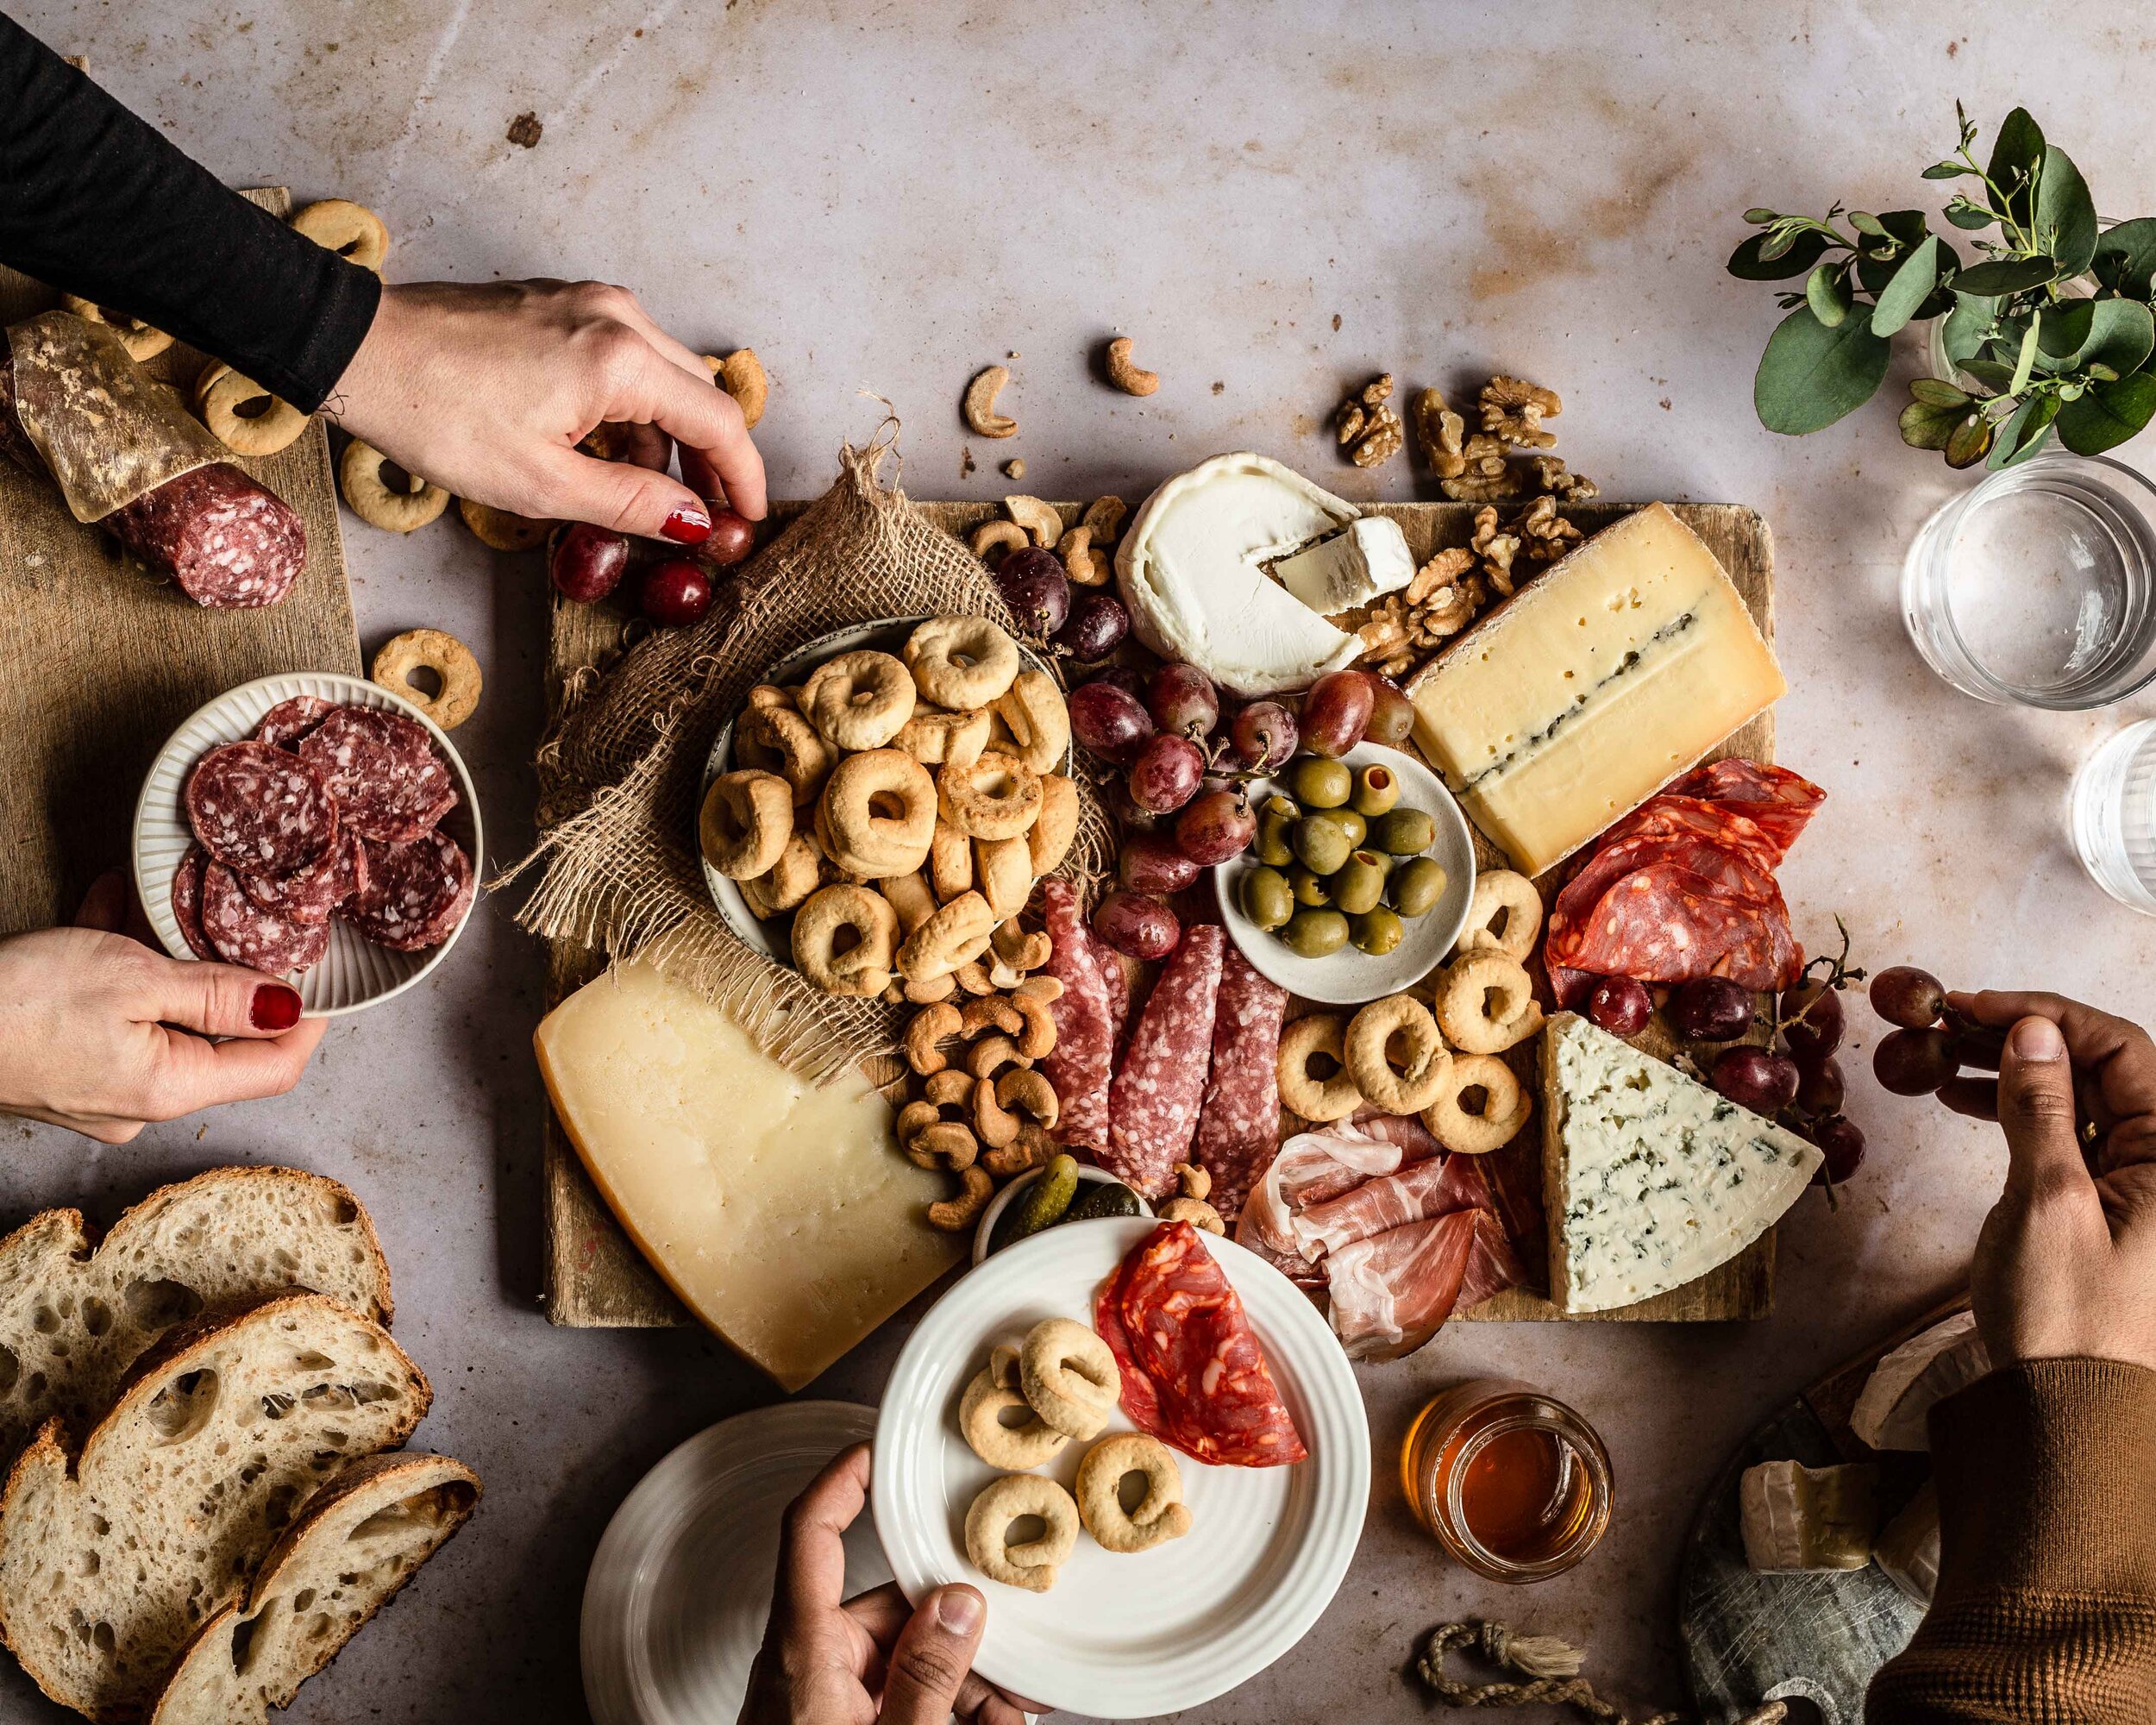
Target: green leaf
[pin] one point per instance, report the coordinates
(2023, 432)
(1906, 227)
(1966, 326)
(1750, 263)
(2025, 361)
(1947, 170)
(1971, 439)
(1761, 217)
(1930, 428)
(1811, 375)
(1988, 372)
(2108, 414)
(2015, 154)
(1911, 285)
(2122, 335)
(2066, 328)
(1997, 276)
(1965, 213)
(1864, 223)
(1937, 392)
(1827, 292)
(2125, 260)
(2065, 215)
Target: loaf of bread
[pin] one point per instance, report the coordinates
(114, 1555)
(358, 1540)
(72, 1321)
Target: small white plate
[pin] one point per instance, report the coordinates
(680, 1586)
(1127, 1637)
(354, 972)
(1348, 978)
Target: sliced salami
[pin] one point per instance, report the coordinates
(310, 895)
(415, 892)
(229, 543)
(187, 902)
(1080, 1063)
(1733, 877)
(1238, 1120)
(260, 809)
(1193, 1373)
(284, 724)
(1669, 816)
(1666, 924)
(243, 933)
(1778, 800)
(390, 784)
(1154, 1102)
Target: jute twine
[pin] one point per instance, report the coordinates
(1552, 1668)
(621, 773)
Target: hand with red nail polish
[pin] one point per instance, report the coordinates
(488, 389)
(100, 1033)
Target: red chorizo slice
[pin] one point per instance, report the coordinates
(1778, 800)
(1666, 924)
(260, 810)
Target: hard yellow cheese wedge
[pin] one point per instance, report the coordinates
(1598, 683)
(781, 1213)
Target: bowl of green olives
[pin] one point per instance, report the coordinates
(1358, 881)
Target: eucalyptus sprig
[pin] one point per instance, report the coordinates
(2048, 329)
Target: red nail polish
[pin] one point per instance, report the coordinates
(274, 1007)
(688, 527)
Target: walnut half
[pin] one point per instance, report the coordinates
(1368, 429)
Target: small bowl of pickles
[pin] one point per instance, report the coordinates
(1358, 881)
(1066, 1190)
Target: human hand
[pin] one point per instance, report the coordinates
(486, 388)
(2065, 1263)
(873, 1658)
(99, 1033)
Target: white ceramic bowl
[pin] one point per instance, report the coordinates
(1348, 977)
(984, 1231)
(354, 972)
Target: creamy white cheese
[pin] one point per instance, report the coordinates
(1366, 561)
(1895, 1409)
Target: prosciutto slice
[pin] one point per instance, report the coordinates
(1392, 1292)
(1433, 1186)
(1311, 1168)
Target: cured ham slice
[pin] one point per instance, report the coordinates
(1391, 1292)
(1433, 1186)
(1493, 1265)
(1080, 1063)
(1311, 1168)
(1415, 1140)
(1238, 1122)
(1154, 1102)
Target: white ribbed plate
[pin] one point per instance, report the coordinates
(354, 972)
(1126, 1637)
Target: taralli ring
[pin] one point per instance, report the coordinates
(859, 700)
(448, 658)
(746, 819)
(834, 914)
(1003, 872)
(1048, 841)
(777, 739)
(981, 1411)
(368, 495)
(1069, 1377)
(961, 661)
(1505, 915)
(142, 342)
(1003, 1501)
(1333, 1097)
(1399, 1023)
(798, 872)
(1486, 1003)
(351, 230)
(878, 812)
(999, 796)
(1502, 1109)
(244, 417)
(499, 530)
(1161, 1513)
(1032, 710)
(937, 739)
(956, 934)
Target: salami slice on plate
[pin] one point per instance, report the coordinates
(242, 933)
(187, 902)
(1732, 876)
(1664, 923)
(284, 724)
(1153, 1104)
(415, 892)
(1778, 800)
(1238, 1120)
(310, 895)
(1080, 1064)
(260, 809)
(1194, 1374)
(390, 784)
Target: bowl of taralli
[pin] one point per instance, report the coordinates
(884, 800)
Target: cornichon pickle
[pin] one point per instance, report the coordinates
(1377, 789)
(1359, 884)
(1377, 932)
(1041, 1205)
(1312, 934)
(1320, 843)
(1308, 886)
(1403, 832)
(1108, 1198)
(1268, 899)
(1320, 784)
(1271, 847)
(1416, 885)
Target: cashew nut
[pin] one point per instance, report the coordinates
(975, 979)
(1125, 376)
(931, 1026)
(1105, 517)
(990, 1011)
(990, 535)
(740, 376)
(980, 404)
(1195, 1182)
(948, 1144)
(927, 994)
(1045, 989)
(1195, 1211)
(949, 1089)
(962, 1212)
(1022, 1090)
(1037, 1036)
(1038, 518)
(991, 1054)
(1015, 947)
(1085, 566)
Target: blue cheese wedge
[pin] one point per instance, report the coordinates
(1650, 1178)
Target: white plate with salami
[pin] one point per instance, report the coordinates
(1123, 1635)
(315, 826)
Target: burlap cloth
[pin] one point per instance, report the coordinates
(621, 772)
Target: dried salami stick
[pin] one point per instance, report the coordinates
(1084, 1055)
(1238, 1122)
(1154, 1103)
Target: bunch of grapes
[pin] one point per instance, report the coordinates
(1933, 1042)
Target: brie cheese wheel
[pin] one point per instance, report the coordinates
(1367, 562)
(1897, 1397)
(1193, 570)
(1808, 1518)
(1907, 1550)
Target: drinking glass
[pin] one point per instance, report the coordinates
(2114, 817)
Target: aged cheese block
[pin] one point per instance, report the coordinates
(1907, 1550)
(1807, 1518)
(1896, 1400)
(782, 1213)
(1595, 686)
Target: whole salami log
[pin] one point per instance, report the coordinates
(1153, 1104)
(1238, 1122)
(228, 541)
(1080, 1064)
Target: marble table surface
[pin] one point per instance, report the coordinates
(1275, 201)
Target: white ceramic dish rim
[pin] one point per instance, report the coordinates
(157, 895)
(984, 1230)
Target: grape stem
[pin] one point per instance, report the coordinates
(1840, 973)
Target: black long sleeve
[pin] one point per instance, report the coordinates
(95, 202)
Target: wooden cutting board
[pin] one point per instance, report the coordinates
(103, 662)
(595, 1277)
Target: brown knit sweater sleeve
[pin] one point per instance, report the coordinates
(2045, 1609)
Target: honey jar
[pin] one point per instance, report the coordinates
(1515, 1484)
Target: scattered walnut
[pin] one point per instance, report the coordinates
(1496, 548)
(1503, 482)
(1547, 535)
(1513, 410)
(525, 131)
(1441, 571)
(1552, 476)
(1015, 468)
(1396, 668)
(1438, 429)
(1386, 631)
(1368, 430)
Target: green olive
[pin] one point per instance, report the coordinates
(1353, 825)
(1359, 885)
(1377, 789)
(1403, 832)
(1321, 784)
(1377, 932)
(1309, 887)
(1320, 842)
(1283, 806)
(1268, 901)
(1271, 846)
(1416, 885)
(1312, 934)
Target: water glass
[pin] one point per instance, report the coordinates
(2038, 586)
(2114, 817)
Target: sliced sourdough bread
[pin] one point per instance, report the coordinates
(359, 1538)
(112, 1556)
(72, 1321)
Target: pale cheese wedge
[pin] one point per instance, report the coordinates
(1893, 1409)
(1798, 1518)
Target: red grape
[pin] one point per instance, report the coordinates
(1165, 773)
(1129, 817)
(1753, 1078)
(1904, 995)
(587, 562)
(1821, 1087)
(1181, 699)
(1913, 1062)
(1620, 1005)
(1392, 715)
(1095, 626)
(1128, 678)
(1263, 735)
(1811, 1020)
(1215, 826)
(1109, 721)
(676, 593)
(1335, 712)
(733, 537)
(1841, 1142)
(1033, 584)
(1137, 924)
(1150, 862)
(1711, 1009)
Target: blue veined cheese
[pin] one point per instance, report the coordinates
(1650, 1179)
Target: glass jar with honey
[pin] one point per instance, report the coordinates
(1515, 1484)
